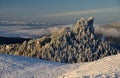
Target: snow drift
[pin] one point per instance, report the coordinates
(22, 67)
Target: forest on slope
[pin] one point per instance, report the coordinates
(69, 45)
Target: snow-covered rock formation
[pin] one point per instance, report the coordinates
(79, 44)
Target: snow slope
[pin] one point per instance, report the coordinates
(23, 67)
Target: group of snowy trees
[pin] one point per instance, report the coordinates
(67, 45)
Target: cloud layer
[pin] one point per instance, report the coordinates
(34, 32)
(28, 31)
(113, 32)
(100, 10)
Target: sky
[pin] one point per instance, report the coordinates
(68, 11)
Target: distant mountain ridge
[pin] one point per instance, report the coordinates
(69, 45)
(12, 40)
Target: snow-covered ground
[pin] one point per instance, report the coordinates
(23, 67)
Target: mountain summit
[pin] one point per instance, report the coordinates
(69, 45)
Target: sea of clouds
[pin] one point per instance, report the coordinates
(29, 31)
(108, 31)
(35, 32)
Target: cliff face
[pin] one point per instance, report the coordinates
(67, 45)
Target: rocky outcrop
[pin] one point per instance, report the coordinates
(79, 44)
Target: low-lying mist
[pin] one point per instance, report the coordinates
(108, 31)
(29, 31)
(35, 32)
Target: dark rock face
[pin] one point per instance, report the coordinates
(67, 45)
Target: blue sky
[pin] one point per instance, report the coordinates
(60, 10)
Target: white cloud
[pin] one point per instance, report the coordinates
(28, 31)
(113, 32)
(100, 10)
